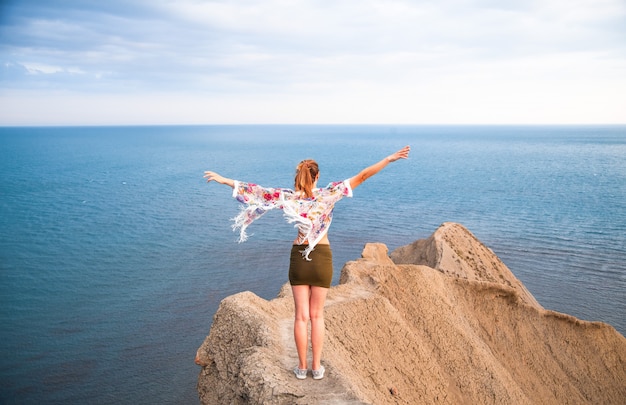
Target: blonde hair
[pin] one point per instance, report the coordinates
(306, 173)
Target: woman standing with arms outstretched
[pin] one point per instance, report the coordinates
(311, 264)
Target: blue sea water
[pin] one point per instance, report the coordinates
(115, 254)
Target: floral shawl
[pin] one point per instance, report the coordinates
(312, 216)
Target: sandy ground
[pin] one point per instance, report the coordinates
(441, 320)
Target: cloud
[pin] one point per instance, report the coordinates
(459, 55)
(36, 68)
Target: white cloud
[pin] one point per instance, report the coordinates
(322, 61)
(40, 68)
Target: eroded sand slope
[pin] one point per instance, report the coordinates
(445, 321)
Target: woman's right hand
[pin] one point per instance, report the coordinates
(401, 154)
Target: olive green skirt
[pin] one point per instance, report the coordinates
(318, 271)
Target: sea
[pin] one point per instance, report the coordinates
(115, 253)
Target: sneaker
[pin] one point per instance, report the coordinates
(300, 373)
(318, 374)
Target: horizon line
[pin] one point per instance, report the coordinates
(315, 124)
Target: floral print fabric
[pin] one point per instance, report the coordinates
(312, 216)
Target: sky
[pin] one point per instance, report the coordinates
(154, 62)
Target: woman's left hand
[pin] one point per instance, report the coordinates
(212, 176)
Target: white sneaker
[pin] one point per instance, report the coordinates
(318, 374)
(300, 373)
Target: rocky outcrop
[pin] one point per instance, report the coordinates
(455, 251)
(441, 320)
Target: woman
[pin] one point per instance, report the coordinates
(311, 265)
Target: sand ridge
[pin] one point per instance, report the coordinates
(439, 321)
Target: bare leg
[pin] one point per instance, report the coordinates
(301, 296)
(316, 305)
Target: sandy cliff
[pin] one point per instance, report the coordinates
(441, 320)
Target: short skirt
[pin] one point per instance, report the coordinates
(318, 271)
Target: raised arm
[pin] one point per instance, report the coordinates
(375, 168)
(212, 176)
